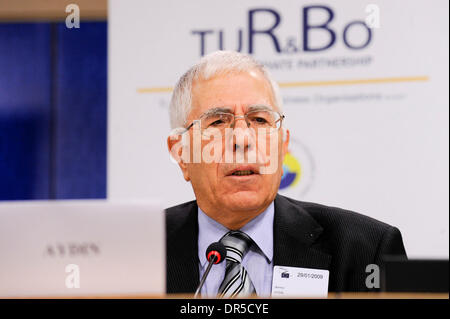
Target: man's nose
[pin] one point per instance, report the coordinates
(243, 140)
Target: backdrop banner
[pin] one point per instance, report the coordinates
(365, 91)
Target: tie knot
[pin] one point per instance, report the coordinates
(237, 244)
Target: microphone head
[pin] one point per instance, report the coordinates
(216, 249)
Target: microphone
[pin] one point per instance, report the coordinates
(215, 254)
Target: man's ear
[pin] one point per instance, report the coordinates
(285, 142)
(284, 146)
(175, 146)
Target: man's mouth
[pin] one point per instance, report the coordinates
(243, 173)
(246, 170)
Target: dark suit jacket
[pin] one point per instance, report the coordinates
(306, 235)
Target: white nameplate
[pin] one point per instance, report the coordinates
(299, 282)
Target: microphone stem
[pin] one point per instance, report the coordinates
(202, 281)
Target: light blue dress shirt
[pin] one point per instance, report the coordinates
(258, 261)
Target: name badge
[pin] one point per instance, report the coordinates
(299, 282)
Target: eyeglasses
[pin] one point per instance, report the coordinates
(266, 121)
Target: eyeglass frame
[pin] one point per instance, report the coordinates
(254, 108)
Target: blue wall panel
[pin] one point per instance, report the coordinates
(25, 114)
(80, 145)
(53, 111)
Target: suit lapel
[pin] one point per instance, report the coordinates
(182, 253)
(295, 237)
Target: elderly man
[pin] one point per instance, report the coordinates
(236, 200)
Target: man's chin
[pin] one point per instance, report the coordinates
(245, 200)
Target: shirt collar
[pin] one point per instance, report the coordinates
(260, 229)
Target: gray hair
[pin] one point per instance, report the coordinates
(219, 62)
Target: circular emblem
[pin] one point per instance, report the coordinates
(298, 170)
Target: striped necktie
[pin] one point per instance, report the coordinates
(236, 281)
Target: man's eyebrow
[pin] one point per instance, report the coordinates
(216, 110)
(258, 107)
(250, 108)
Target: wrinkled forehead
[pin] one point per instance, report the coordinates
(236, 92)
